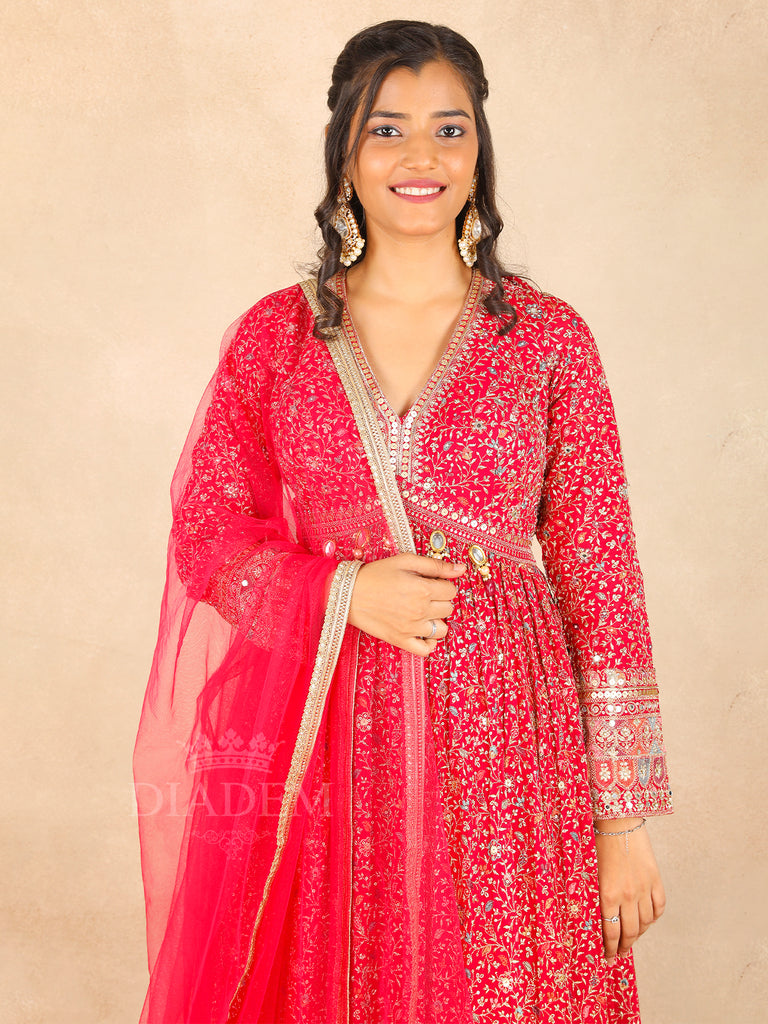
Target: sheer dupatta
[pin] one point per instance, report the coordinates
(246, 739)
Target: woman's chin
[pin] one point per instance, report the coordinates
(422, 233)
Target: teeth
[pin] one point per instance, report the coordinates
(418, 191)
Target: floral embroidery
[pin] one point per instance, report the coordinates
(543, 699)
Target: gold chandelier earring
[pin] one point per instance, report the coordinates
(345, 225)
(473, 229)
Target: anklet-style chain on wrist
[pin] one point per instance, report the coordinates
(624, 832)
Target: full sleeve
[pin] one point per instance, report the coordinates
(589, 552)
(233, 544)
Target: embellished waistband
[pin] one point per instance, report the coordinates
(517, 549)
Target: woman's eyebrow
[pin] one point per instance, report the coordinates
(393, 115)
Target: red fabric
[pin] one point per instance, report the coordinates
(240, 623)
(473, 774)
(231, 679)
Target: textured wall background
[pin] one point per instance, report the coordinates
(160, 167)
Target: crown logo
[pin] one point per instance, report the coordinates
(231, 751)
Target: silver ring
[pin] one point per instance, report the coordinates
(611, 920)
(434, 630)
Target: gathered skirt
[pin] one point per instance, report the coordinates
(518, 819)
(516, 808)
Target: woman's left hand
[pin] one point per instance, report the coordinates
(630, 884)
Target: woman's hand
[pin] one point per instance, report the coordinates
(630, 884)
(396, 599)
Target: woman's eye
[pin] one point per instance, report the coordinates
(385, 131)
(451, 131)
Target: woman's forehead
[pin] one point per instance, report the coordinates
(436, 86)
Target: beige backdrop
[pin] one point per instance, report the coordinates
(161, 164)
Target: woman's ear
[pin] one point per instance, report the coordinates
(326, 130)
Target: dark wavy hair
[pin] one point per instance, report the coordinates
(361, 68)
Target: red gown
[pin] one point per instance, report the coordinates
(539, 709)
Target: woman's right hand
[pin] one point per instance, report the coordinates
(396, 599)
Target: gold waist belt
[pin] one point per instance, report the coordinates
(479, 540)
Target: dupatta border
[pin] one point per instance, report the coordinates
(366, 418)
(328, 649)
(350, 671)
(415, 712)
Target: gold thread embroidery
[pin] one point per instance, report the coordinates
(350, 847)
(402, 429)
(365, 417)
(615, 704)
(331, 636)
(414, 710)
(413, 727)
(630, 693)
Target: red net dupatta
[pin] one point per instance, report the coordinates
(243, 759)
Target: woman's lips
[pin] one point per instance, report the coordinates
(418, 192)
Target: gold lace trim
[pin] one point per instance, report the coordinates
(331, 636)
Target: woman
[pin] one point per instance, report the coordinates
(386, 769)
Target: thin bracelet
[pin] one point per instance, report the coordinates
(624, 832)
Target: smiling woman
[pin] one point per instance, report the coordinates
(412, 171)
(387, 769)
(419, 146)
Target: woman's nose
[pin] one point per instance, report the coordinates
(421, 151)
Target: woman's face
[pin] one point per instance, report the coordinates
(417, 154)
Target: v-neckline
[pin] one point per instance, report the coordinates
(458, 335)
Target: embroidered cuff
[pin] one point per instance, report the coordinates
(625, 747)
